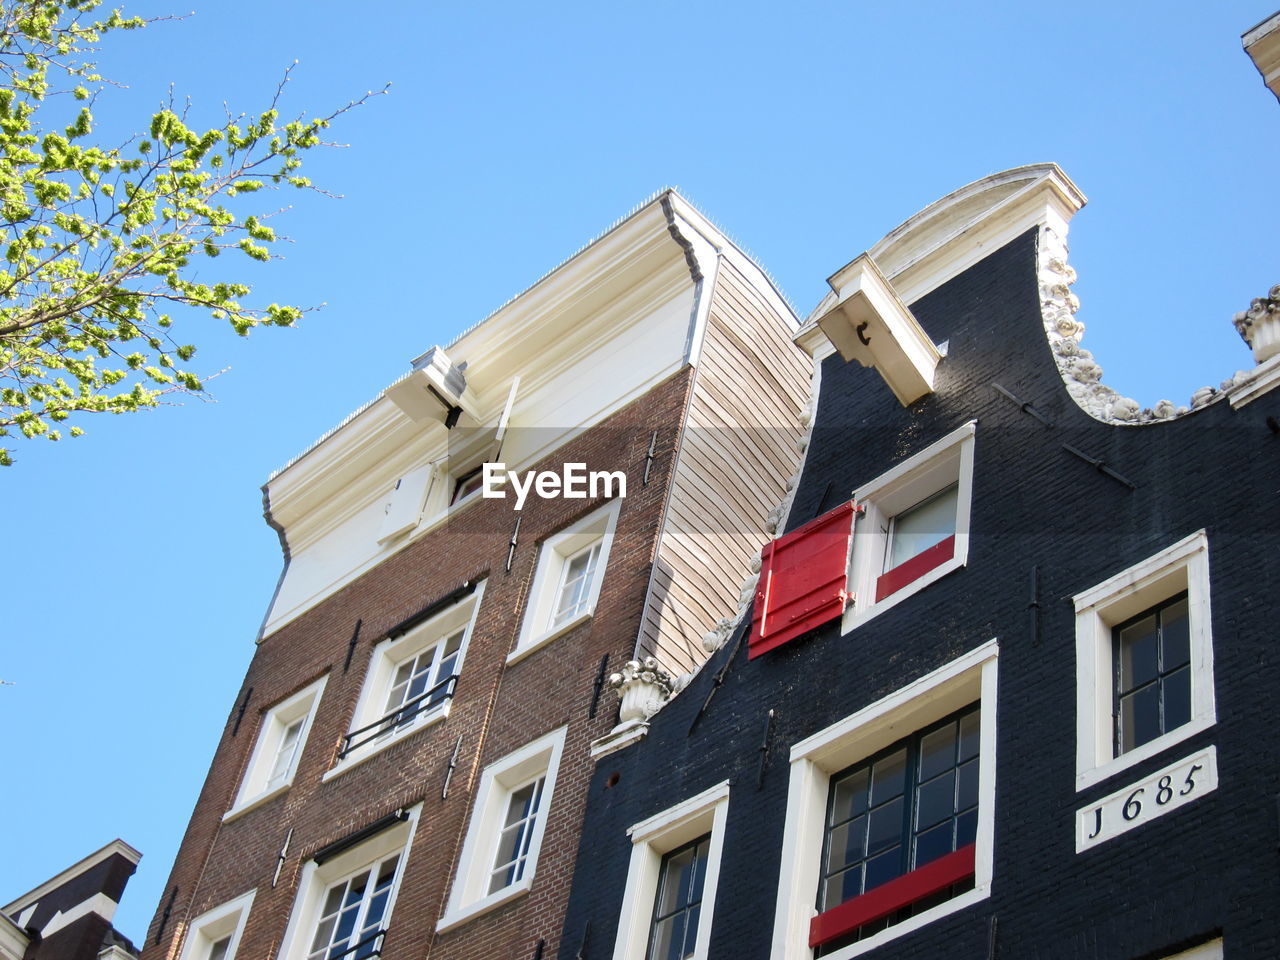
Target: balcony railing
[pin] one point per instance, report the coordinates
(401, 716)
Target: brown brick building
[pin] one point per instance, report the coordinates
(405, 769)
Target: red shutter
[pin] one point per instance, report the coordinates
(802, 580)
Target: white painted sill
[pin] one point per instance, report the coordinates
(491, 902)
(966, 899)
(1104, 771)
(256, 802)
(855, 617)
(353, 760)
(519, 653)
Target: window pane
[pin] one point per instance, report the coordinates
(922, 526)
(966, 828)
(1139, 717)
(936, 800)
(1177, 699)
(847, 844)
(1175, 635)
(886, 826)
(935, 843)
(849, 796)
(1139, 654)
(888, 778)
(284, 754)
(842, 887)
(883, 868)
(219, 950)
(668, 938)
(938, 751)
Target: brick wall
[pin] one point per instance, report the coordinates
(497, 709)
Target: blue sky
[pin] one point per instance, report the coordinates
(140, 567)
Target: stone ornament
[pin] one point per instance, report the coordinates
(1259, 326)
(1080, 371)
(643, 687)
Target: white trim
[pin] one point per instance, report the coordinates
(13, 941)
(651, 839)
(387, 655)
(99, 903)
(253, 786)
(970, 677)
(316, 879)
(212, 925)
(1181, 566)
(77, 868)
(1257, 382)
(597, 526)
(1206, 951)
(500, 779)
(944, 462)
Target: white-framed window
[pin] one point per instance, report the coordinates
(810, 919)
(1144, 660)
(912, 527)
(344, 902)
(282, 735)
(500, 851)
(670, 895)
(566, 584)
(410, 682)
(215, 934)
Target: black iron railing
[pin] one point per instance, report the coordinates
(401, 716)
(370, 946)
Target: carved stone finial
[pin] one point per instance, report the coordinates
(1259, 326)
(643, 687)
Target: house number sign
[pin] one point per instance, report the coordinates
(1176, 785)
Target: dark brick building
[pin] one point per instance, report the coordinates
(1006, 690)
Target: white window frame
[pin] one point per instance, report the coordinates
(469, 896)
(946, 462)
(967, 679)
(556, 551)
(1181, 566)
(316, 879)
(275, 721)
(227, 919)
(651, 840)
(387, 657)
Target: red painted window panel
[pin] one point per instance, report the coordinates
(893, 896)
(891, 581)
(803, 580)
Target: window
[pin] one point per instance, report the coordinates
(911, 805)
(353, 911)
(281, 738)
(346, 893)
(467, 483)
(1144, 660)
(567, 581)
(215, 935)
(500, 851)
(886, 833)
(671, 881)
(913, 526)
(411, 680)
(1153, 674)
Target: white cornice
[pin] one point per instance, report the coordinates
(1262, 43)
(89, 862)
(952, 234)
